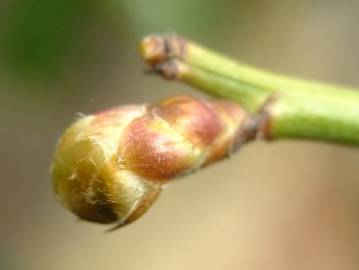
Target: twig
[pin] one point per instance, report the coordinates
(302, 109)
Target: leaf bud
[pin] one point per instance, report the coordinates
(109, 167)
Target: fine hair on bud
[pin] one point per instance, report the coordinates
(109, 167)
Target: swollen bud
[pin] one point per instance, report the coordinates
(110, 167)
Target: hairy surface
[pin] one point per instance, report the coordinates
(111, 166)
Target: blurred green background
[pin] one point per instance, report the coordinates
(280, 205)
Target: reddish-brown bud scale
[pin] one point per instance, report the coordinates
(111, 166)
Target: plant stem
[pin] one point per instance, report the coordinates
(301, 109)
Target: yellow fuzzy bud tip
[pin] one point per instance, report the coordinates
(110, 167)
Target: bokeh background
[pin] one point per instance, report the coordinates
(279, 205)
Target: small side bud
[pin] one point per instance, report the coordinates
(110, 167)
(156, 49)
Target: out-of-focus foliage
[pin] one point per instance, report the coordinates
(39, 36)
(193, 17)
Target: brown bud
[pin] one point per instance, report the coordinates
(111, 166)
(155, 49)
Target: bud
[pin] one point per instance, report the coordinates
(110, 167)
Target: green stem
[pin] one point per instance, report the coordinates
(301, 109)
(224, 66)
(249, 96)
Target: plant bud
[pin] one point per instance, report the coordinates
(110, 167)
